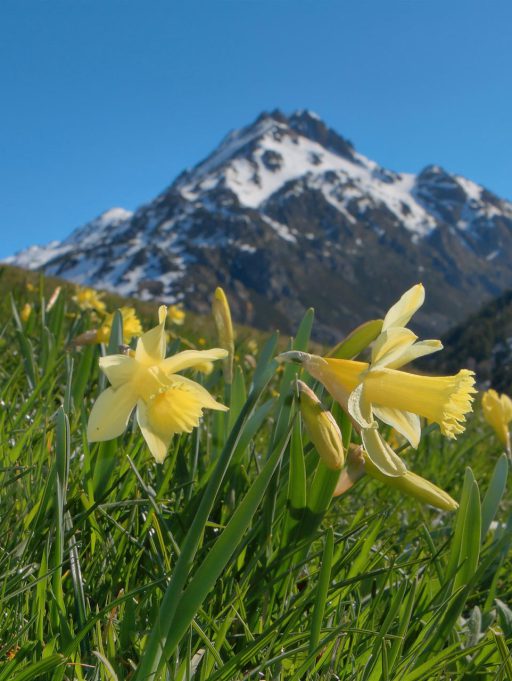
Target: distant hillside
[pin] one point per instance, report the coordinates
(15, 280)
(482, 343)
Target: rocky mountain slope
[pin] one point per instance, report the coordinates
(286, 214)
(483, 342)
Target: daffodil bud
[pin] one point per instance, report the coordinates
(359, 463)
(222, 317)
(26, 311)
(413, 485)
(321, 428)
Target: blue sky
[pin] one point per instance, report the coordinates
(106, 101)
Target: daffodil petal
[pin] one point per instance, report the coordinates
(360, 409)
(158, 444)
(506, 405)
(190, 358)
(207, 401)
(420, 349)
(119, 369)
(401, 312)
(110, 413)
(176, 407)
(391, 345)
(404, 422)
(151, 345)
(386, 460)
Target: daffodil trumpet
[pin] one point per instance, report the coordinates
(166, 402)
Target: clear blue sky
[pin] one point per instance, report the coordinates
(104, 102)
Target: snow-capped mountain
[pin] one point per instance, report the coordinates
(286, 214)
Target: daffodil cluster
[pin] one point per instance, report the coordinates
(379, 389)
(89, 299)
(131, 326)
(166, 402)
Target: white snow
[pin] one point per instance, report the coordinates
(473, 190)
(106, 222)
(281, 230)
(308, 112)
(247, 248)
(34, 257)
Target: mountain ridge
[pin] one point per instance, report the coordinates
(286, 214)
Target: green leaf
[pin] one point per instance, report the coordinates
(494, 493)
(321, 590)
(296, 496)
(238, 396)
(62, 448)
(357, 340)
(266, 364)
(301, 340)
(466, 539)
(35, 670)
(82, 375)
(116, 334)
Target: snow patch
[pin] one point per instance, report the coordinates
(281, 230)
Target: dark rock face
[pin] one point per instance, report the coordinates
(286, 214)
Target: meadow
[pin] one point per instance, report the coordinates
(231, 560)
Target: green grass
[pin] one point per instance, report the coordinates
(229, 561)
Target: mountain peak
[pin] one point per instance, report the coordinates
(255, 161)
(275, 115)
(311, 126)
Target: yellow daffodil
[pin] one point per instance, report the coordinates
(26, 311)
(497, 411)
(359, 463)
(166, 402)
(252, 346)
(89, 299)
(395, 397)
(176, 315)
(131, 326)
(321, 427)
(222, 318)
